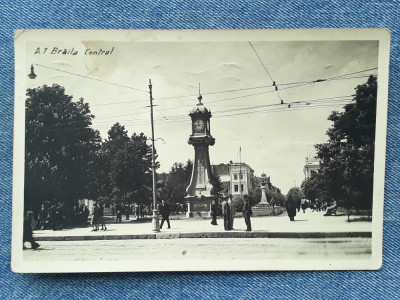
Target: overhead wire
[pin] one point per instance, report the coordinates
(265, 68)
(330, 100)
(92, 78)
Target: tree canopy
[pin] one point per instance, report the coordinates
(347, 159)
(60, 147)
(66, 160)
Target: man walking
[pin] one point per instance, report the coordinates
(214, 212)
(164, 211)
(28, 231)
(118, 209)
(247, 212)
(225, 212)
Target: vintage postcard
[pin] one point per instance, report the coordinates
(225, 150)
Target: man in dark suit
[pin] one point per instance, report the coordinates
(164, 211)
(291, 205)
(28, 231)
(226, 214)
(214, 212)
(247, 212)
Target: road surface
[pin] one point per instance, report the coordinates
(205, 248)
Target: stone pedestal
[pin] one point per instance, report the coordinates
(198, 207)
(266, 209)
(263, 194)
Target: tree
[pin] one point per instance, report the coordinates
(177, 181)
(127, 168)
(255, 196)
(347, 159)
(294, 194)
(60, 147)
(215, 180)
(313, 188)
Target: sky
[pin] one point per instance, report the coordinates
(235, 79)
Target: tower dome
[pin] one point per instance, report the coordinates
(200, 108)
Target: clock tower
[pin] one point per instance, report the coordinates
(200, 188)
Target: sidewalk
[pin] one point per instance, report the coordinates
(306, 225)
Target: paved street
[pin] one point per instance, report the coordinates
(227, 248)
(309, 224)
(274, 240)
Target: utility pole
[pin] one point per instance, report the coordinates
(240, 171)
(155, 221)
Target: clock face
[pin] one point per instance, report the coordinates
(198, 125)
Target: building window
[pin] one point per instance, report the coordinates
(241, 176)
(241, 187)
(235, 177)
(236, 188)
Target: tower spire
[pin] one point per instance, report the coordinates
(200, 96)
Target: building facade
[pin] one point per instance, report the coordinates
(236, 178)
(311, 165)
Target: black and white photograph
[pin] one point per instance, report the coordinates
(203, 150)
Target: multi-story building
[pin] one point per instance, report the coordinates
(236, 178)
(311, 165)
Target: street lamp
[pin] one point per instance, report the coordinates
(32, 75)
(155, 221)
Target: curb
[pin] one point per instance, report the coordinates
(361, 234)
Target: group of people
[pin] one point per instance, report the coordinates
(50, 217)
(98, 217)
(138, 211)
(292, 204)
(229, 212)
(80, 215)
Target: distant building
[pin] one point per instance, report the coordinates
(236, 178)
(264, 180)
(311, 166)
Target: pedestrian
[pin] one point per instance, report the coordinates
(291, 205)
(304, 205)
(164, 211)
(58, 217)
(101, 217)
(43, 217)
(214, 212)
(75, 216)
(141, 210)
(85, 215)
(52, 216)
(225, 214)
(232, 212)
(247, 213)
(136, 208)
(27, 231)
(95, 217)
(118, 209)
(127, 211)
(273, 203)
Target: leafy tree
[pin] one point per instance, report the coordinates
(60, 147)
(255, 196)
(295, 194)
(347, 159)
(314, 188)
(215, 180)
(177, 181)
(127, 168)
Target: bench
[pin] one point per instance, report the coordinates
(330, 211)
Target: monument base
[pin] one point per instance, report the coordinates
(198, 207)
(266, 209)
